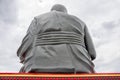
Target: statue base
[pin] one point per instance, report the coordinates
(35, 76)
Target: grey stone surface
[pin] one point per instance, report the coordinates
(57, 42)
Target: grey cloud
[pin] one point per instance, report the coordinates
(8, 48)
(109, 25)
(111, 29)
(8, 32)
(108, 47)
(8, 11)
(107, 32)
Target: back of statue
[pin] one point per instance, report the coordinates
(57, 42)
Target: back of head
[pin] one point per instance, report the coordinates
(59, 7)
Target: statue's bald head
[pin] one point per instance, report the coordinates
(59, 7)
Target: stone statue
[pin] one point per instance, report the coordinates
(57, 42)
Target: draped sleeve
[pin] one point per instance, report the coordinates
(89, 44)
(27, 41)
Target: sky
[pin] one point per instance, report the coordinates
(101, 17)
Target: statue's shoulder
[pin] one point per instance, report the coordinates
(78, 19)
(42, 15)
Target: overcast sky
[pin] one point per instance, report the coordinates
(101, 16)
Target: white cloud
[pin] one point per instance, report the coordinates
(107, 46)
